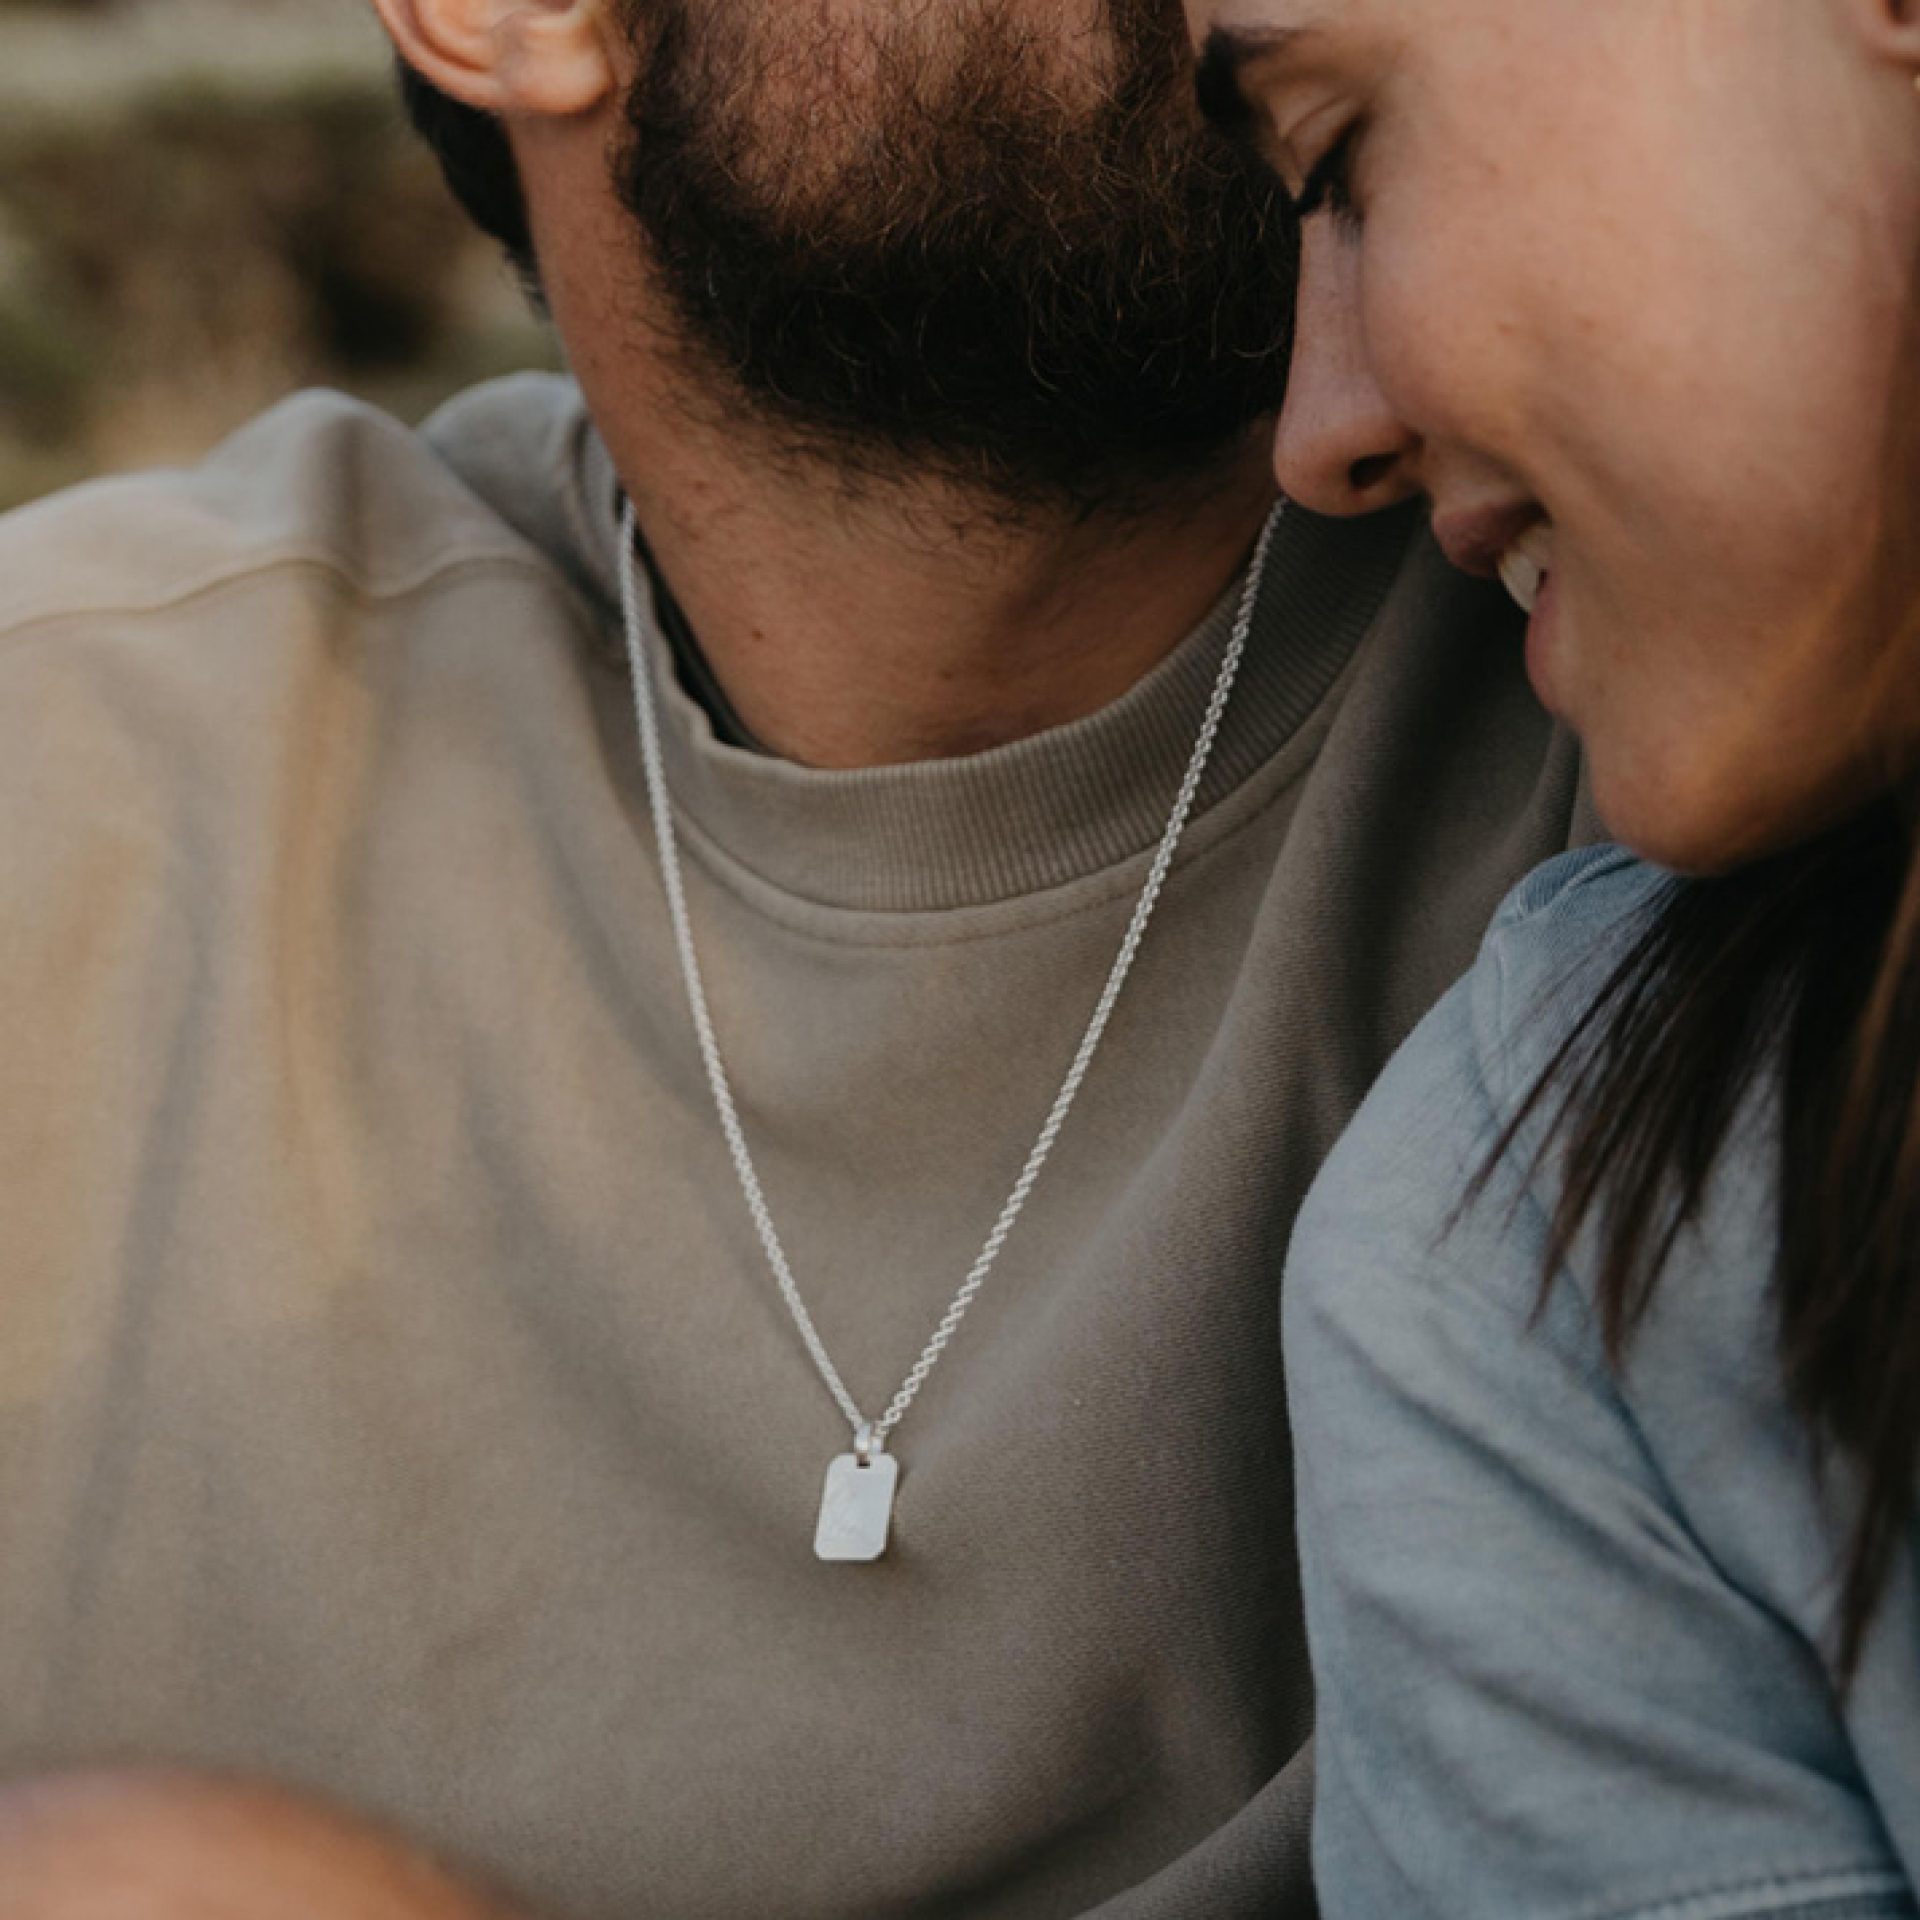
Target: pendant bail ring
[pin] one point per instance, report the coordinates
(866, 1443)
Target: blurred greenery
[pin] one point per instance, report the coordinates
(205, 204)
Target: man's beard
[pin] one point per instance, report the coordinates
(930, 247)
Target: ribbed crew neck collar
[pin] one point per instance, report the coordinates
(1043, 812)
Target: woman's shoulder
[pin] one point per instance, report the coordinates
(1547, 953)
(1437, 1207)
(1428, 1131)
(1522, 1561)
(1428, 1236)
(1587, 887)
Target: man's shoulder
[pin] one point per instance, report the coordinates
(322, 491)
(325, 602)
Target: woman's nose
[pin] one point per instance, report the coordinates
(1341, 449)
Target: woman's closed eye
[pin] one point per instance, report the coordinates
(1328, 186)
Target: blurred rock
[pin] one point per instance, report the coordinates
(205, 204)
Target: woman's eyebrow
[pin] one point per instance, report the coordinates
(1220, 79)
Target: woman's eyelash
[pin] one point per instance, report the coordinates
(1330, 184)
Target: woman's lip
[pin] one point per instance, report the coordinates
(1474, 538)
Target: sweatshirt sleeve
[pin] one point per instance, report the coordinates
(1538, 1695)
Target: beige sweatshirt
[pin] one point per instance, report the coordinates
(393, 1396)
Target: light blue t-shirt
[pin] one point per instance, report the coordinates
(1571, 1629)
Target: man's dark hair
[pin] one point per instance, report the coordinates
(472, 149)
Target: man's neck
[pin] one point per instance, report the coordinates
(873, 628)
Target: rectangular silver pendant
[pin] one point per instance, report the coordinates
(856, 1510)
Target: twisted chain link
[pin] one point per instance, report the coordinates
(667, 837)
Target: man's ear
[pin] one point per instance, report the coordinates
(1891, 30)
(549, 58)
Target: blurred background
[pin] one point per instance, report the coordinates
(205, 204)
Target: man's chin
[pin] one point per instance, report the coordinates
(1100, 337)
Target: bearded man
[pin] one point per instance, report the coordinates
(490, 1131)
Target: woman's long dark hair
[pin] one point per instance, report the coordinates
(1806, 965)
(1809, 965)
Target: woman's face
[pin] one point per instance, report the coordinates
(1625, 286)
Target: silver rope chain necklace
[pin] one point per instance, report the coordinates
(856, 1509)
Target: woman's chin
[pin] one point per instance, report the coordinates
(1692, 820)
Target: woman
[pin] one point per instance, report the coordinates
(1604, 1323)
